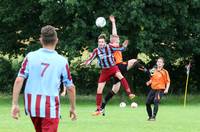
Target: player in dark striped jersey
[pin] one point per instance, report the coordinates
(109, 69)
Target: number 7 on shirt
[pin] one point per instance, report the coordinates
(46, 65)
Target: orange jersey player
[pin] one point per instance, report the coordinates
(160, 83)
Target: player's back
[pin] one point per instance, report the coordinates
(44, 71)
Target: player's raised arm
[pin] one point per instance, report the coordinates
(91, 58)
(114, 28)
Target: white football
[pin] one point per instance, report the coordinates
(134, 105)
(122, 105)
(100, 22)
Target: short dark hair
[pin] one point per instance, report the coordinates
(102, 36)
(48, 34)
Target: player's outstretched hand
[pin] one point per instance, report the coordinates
(148, 83)
(72, 115)
(125, 43)
(112, 18)
(15, 112)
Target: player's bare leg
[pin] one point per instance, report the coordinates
(135, 63)
(116, 87)
(99, 98)
(131, 63)
(125, 84)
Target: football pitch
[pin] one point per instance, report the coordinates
(171, 118)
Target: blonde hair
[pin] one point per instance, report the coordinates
(114, 36)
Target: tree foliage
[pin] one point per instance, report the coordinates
(168, 28)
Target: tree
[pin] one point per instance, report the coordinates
(168, 28)
(19, 25)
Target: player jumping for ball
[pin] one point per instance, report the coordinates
(109, 69)
(124, 67)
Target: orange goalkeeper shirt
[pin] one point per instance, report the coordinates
(160, 79)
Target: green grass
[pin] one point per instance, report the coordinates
(172, 117)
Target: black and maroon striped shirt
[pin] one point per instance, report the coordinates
(105, 56)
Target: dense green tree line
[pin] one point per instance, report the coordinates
(168, 28)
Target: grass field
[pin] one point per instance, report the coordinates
(172, 117)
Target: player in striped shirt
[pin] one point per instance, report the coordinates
(43, 69)
(123, 66)
(109, 69)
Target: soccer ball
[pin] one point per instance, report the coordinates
(100, 22)
(134, 105)
(122, 105)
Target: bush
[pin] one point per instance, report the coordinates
(86, 80)
(7, 75)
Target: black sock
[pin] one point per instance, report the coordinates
(109, 95)
(149, 110)
(155, 109)
(139, 66)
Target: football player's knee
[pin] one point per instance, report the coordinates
(133, 61)
(148, 102)
(115, 89)
(99, 90)
(118, 75)
(156, 101)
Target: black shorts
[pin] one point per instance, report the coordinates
(154, 96)
(123, 69)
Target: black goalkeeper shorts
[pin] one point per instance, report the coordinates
(123, 69)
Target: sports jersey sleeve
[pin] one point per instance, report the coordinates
(167, 77)
(92, 57)
(116, 48)
(67, 78)
(24, 70)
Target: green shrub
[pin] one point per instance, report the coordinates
(7, 75)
